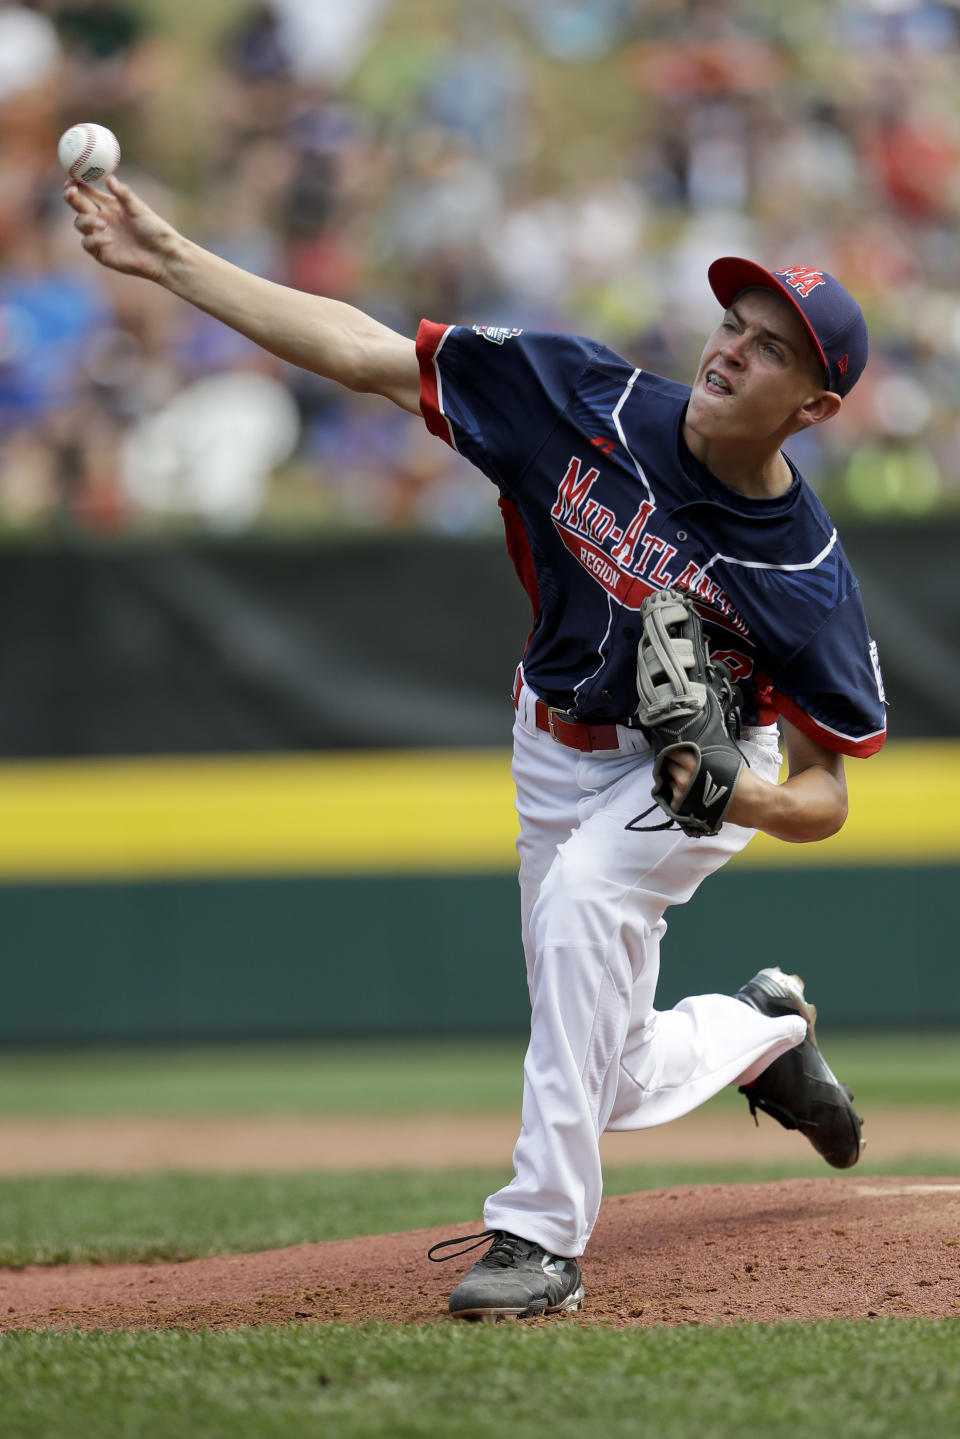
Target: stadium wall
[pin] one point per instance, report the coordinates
(264, 790)
(376, 894)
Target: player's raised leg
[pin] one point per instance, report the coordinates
(799, 1088)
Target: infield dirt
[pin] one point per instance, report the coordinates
(798, 1250)
(141, 1144)
(855, 1245)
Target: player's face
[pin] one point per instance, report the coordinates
(757, 371)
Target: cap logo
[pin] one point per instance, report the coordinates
(842, 364)
(802, 280)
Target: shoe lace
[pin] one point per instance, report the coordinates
(503, 1252)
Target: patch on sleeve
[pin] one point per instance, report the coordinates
(496, 334)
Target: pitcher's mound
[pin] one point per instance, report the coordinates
(803, 1249)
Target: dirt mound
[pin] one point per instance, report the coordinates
(803, 1249)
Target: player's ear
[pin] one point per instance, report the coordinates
(821, 406)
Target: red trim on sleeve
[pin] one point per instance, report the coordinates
(830, 739)
(430, 337)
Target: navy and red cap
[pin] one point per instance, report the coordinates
(831, 315)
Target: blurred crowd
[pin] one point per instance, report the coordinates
(558, 164)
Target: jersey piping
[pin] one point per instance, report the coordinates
(765, 565)
(618, 426)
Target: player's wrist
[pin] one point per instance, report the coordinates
(754, 801)
(178, 263)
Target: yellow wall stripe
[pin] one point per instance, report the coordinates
(356, 813)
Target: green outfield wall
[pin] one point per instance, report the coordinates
(371, 893)
(407, 955)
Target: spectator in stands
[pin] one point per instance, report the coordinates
(449, 170)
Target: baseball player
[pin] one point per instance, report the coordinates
(688, 592)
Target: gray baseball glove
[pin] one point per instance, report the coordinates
(687, 702)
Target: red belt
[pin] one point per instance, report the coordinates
(584, 737)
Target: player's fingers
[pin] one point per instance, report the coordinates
(129, 199)
(93, 244)
(89, 224)
(80, 197)
(680, 767)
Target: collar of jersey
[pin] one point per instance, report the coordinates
(715, 492)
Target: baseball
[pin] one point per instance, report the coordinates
(88, 152)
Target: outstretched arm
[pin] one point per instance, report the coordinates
(329, 337)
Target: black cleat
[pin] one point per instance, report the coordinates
(515, 1279)
(799, 1089)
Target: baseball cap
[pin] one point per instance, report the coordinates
(831, 315)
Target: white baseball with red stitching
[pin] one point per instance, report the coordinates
(88, 152)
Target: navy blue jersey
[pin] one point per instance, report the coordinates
(603, 501)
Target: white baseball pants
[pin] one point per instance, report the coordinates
(593, 894)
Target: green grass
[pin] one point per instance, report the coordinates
(397, 1077)
(56, 1219)
(567, 1380)
(53, 1219)
(319, 1077)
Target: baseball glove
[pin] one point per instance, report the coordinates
(687, 702)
